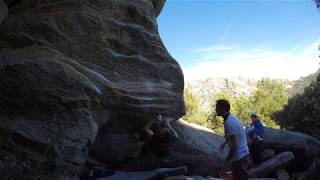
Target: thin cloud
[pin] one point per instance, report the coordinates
(258, 63)
(226, 33)
(220, 47)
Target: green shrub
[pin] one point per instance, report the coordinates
(194, 113)
(302, 113)
(268, 98)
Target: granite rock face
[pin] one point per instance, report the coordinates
(11, 2)
(198, 148)
(3, 11)
(68, 68)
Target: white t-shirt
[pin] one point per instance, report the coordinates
(233, 126)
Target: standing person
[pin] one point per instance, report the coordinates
(236, 139)
(258, 126)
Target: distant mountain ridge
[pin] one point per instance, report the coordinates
(241, 86)
(303, 82)
(205, 89)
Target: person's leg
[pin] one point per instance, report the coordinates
(255, 153)
(244, 168)
(258, 151)
(235, 169)
(240, 169)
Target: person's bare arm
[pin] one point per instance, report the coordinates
(223, 145)
(171, 128)
(232, 142)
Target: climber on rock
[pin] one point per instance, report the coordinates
(236, 140)
(158, 135)
(257, 125)
(158, 123)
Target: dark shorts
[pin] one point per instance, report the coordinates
(240, 169)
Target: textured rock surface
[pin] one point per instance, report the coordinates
(11, 2)
(282, 175)
(3, 11)
(158, 5)
(113, 149)
(304, 147)
(267, 154)
(313, 173)
(69, 67)
(270, 166)
(197, 148)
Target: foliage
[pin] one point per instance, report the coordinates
(194, 112)
(267, 99)
(217, 122)
(303, 110)
(300, 84)
(243, 108)
(302, 113)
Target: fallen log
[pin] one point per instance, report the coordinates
(272, 165)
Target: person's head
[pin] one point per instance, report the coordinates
(254, 117)
(222, 107)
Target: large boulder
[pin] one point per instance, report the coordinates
(304, 147)
(68, 68)
(197, 148)
(3, 11)
(270, 166)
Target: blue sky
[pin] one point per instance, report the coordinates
(252, 38)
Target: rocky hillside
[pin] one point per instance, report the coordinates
(242, 86)
(299, 85)
(237, 86)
